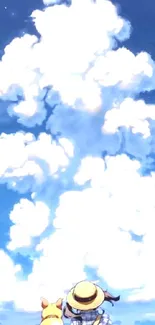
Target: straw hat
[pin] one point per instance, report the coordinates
(85, 296)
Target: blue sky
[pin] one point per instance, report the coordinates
(77, 181)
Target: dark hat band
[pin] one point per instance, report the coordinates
(85, 299)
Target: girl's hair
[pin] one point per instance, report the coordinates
(108, 297)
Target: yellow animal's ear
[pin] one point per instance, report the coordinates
(59, 303)
(44, 303)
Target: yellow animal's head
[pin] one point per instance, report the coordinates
(51, 310)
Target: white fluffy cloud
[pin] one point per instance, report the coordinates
(105, 214)
(8, 272)
(77, 72)
(92, 226)
(124, 69)
(33, 161)
(23, 80)
(36, 64)
(131, 114)
(82, 73)
(29, 220)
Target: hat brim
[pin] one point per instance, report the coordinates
(86, 305)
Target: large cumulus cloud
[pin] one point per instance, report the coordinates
(90, 87)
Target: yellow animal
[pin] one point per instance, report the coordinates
(51, 313)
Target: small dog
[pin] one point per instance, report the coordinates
(52, 312)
